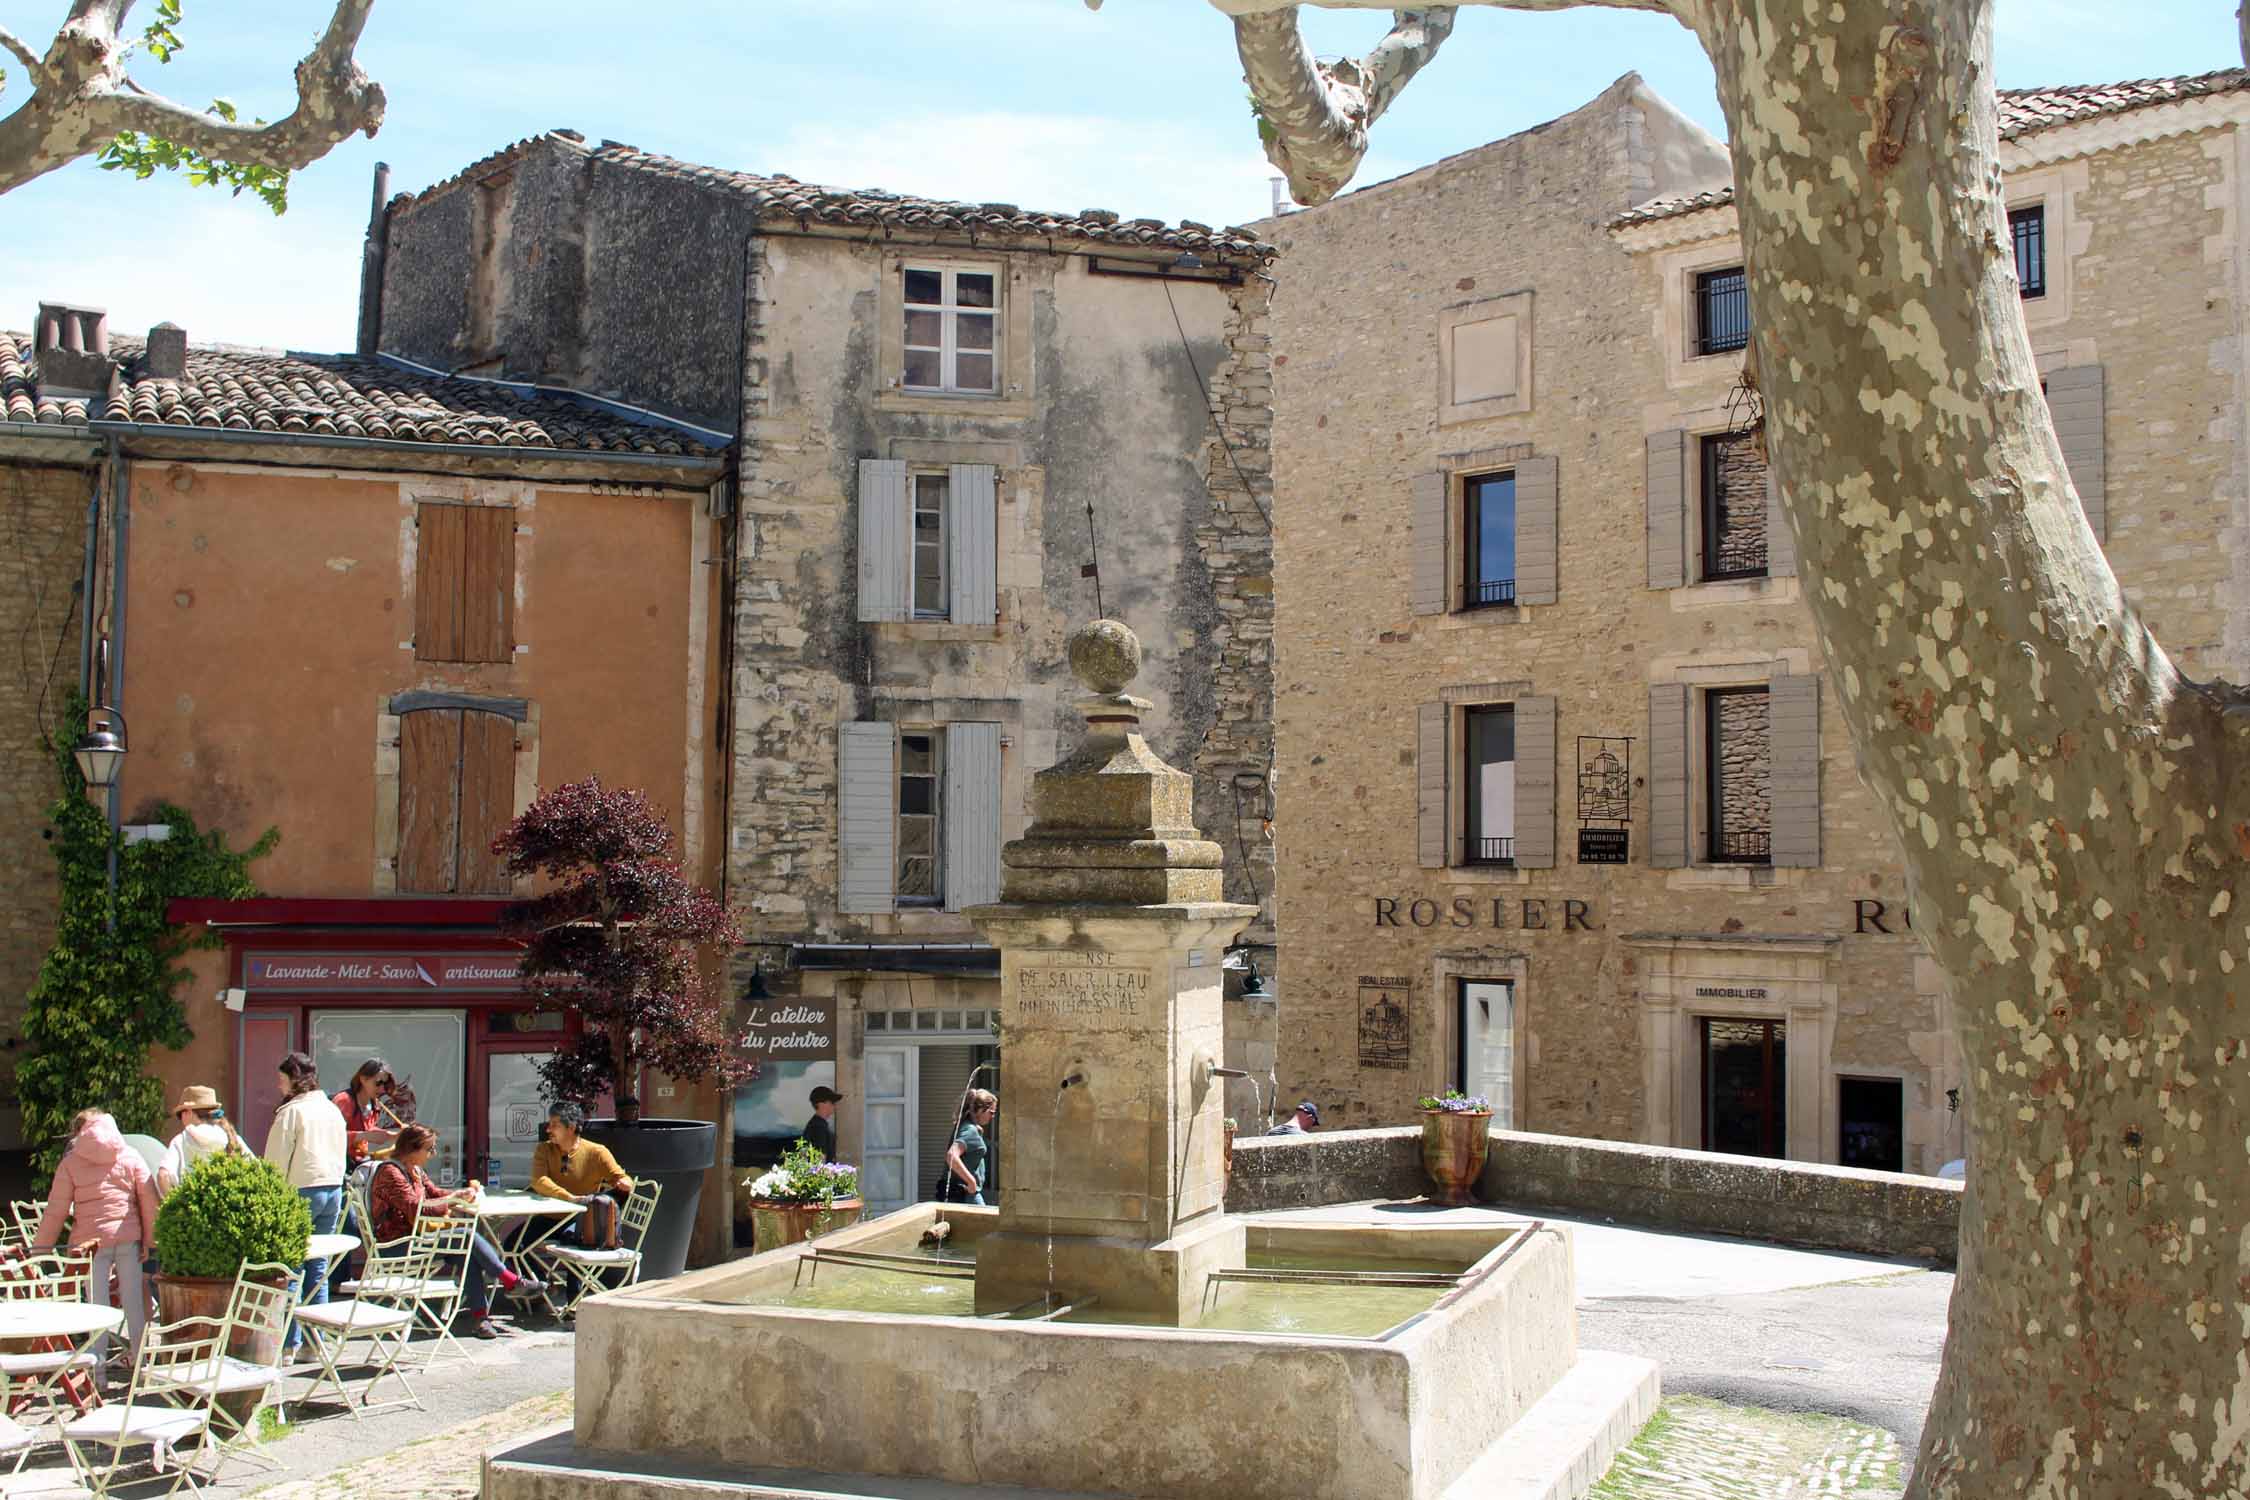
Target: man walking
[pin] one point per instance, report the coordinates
(821, 1128)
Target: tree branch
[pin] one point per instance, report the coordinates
(1313, 117)
(24, 55)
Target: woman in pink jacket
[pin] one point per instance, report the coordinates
(109, 1195)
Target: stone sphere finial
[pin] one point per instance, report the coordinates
(1105, 656)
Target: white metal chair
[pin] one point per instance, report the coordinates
(383, 1315)
(260, 1307)
(590, 1271)
(384, 1268)
(38, 1374)
(167, 1404)
(446, 1240)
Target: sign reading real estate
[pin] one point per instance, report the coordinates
(1386, 1037)
(794, 1030)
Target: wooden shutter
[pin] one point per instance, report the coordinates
(488, 801)
(1431, 799)
(974, 547)
(1535, 536)
(1428, 589)
(972, 815)
(440, 545)
(886, 542)
(1535, 783)
(1668, 776)
(867, 818)
(1781, 543)
(2075, 400)
(488, 583)
(429, 801)
(1667, 509)
(1794, 704)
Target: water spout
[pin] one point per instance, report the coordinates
(1219, 1072)
(1067, 1082)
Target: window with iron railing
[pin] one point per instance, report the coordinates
(2028, 228)
(1722, 311)
(1738, 773)
(1489, 800)
(1734, 508)
(1488, 541)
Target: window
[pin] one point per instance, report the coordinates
(1734, 508)
(456, 794)
(2028, 228)
(464, 582)
(929, 547)
(1738, 772)
(1489, 787)
(1489, 541)
(1871, 1123)
(1486, 1063)
(952, 319)
(921, 871)
(1722, 311)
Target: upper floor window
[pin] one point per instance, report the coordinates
(918, 816)
(1722, 310)
(929, 546)
(952, 319)
(1489, 541)
(1735, 516)
(456, 794)
(464, 582)
(2027, 226)
(1738, 775)
(1489, 785)
(921, 869)
(928, 542)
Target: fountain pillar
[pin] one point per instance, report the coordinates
(1111, 931)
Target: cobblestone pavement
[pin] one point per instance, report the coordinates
(448, 1466)
(1694, 1449)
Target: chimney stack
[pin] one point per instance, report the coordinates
(71, 348)
(167, 352)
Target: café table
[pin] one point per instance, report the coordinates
(329, 1246)
(51, 1318)
(537, 1219)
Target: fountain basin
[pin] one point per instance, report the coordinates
(687, 1370)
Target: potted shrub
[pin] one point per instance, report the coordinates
(228, 1212)
(615, 941)
(1456, 1135)
(806, 1195)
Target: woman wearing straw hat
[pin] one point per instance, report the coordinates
(205, 1131)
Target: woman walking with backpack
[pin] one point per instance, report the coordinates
(205, 1131)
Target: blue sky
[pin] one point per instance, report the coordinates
(1139, 107)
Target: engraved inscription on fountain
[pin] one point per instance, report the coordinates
(1066, 991)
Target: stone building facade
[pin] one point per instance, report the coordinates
(1572, 818)
(962, 430)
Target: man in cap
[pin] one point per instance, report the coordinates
(821, 1128)
(1303, 1122)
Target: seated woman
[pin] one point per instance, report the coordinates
(400, 1193)
(566, 1165)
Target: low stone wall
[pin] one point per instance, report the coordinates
(1655, 1187)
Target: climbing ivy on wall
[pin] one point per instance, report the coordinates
(105, 995)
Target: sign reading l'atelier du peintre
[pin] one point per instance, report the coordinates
(796, 1030)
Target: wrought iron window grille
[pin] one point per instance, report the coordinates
(1741, 846)
(1722, 311)
(1489, 593)
(1492, 851)
(2027, 227)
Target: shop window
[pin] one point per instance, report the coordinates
(456, 794)
(1722, 311)
(2027, 227)
(1734, 511)
(1871, 1116)
(464, 582)
(952, 327)
(1489, 541)
(428, 1054)
(1489, 785)
(1746, 1087)
(1738, 776)
(1485, 1056)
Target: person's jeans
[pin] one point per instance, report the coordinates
(125, 1261)
(485, 1268)
(327, 1205)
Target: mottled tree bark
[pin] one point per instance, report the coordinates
(2071, 810)
(81, 99)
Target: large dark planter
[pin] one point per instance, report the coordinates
(674, 1154)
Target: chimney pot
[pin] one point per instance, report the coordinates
(72, 349)
(167, 352)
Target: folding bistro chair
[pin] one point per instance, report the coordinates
(591, 1271)
(383, 1315)
(40, 1375)
(27, 1214)
(385, 1268)
(445, 1239)
(167, 1403)
(260, 1308)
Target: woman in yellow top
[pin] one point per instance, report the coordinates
(566, 1166)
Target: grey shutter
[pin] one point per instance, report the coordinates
(2075, 400)
(867, 818)
(1535, 538)
(1793, 704)
(1535, 783)
(974, 560)
(1667, 509)
(1781, 543)
(1428, 527)
(1668, 776)
(886, 541)
(972, 815)
(1430, 796)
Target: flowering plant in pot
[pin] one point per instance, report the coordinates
(615, 941)
(1456, 1137)
(230, 1211)
(805, 1195)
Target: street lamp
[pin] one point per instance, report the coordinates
(100, 753)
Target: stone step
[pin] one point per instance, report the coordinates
(1560, 1448)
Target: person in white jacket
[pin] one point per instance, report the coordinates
(205, 1131)
(307, 1142)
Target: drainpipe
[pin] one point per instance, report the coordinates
(89, 579)
(121, 514)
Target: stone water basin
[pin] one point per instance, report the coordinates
(1357, 1394)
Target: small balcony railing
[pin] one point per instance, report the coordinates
(1490, 593)
(1741, 846)
(1492, 851)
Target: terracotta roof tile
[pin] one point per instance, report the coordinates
(338, 395)
(2022, 111)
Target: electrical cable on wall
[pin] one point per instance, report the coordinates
(1212, 411)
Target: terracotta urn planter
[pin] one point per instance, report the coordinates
(774, 1223)
(207, 1297)
(1454, 1146)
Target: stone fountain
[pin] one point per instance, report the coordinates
(1088, 1360)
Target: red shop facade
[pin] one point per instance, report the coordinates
(429, 986)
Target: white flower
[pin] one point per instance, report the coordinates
(770, 1185)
